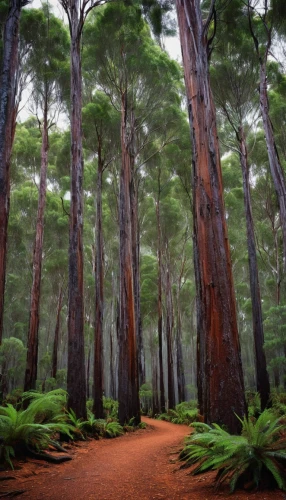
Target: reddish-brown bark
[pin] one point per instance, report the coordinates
(34, 318)
(98, 332)
(262, 379)
(128, 389)
(220, 378)
(8, 86)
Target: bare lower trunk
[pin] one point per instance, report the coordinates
(98, 333)
(169, 337)
(180, 362)
(136, 276)
(262, 379)
(57, 332)
(220, 378)
(159, 302)
(76, 383)
(128, 390)
(8, 88)
(34, 319)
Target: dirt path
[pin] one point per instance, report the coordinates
(137, 466)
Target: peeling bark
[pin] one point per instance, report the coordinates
(262, 379)
(169, 337)
(8, 89)
(34, 318)
(220, 377)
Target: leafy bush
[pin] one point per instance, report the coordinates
(184, 413)
(256, 458)
(113, 429)
(110, 407)
(33, 427)
(253, 403)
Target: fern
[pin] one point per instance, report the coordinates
(258, 455)
(30, 428)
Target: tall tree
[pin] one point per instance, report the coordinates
(263, 48)
(220, 377)
(235, 72)
(77, 12)
(8, 90)
(44, 61)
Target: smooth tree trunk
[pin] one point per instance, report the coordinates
(98, 332)
(219, 376)
(76, 383)
(136, 274)
(34, 317)
(57, 334)
(8, 89)
(180, 360)
(159, 300)
(128, 388)
(169, 337)
(262, 379)
(276, 168)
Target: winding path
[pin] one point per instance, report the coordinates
(137, 466)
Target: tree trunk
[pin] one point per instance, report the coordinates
(180, 361)
(128, 390)
(136, 274)
(276, 169)
(169, 337)
(57, 332)
(98, 332)
(76, 384)
(262, 379)
(8, 88)
(34, 318)
(160, 311)
(220, 377)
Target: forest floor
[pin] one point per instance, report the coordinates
(139, 465)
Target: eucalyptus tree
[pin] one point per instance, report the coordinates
(8, 90)
(77, 12)
(220, 377)
(46, 64)
(234, 80)
(262, 27)
(100, 126)
(137, 86)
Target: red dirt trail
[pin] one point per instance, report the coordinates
(138, 466)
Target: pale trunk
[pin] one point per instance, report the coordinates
(262, 379)
(159, 300)
(57, 333)
(98, 333)
(276, 169)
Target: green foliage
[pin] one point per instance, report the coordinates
(110, 407)
(253, 403)
(184, 413)
(34, 426)
(257, 457)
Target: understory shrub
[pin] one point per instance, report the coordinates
(33, 427)
(256, 458)
(184, 413)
